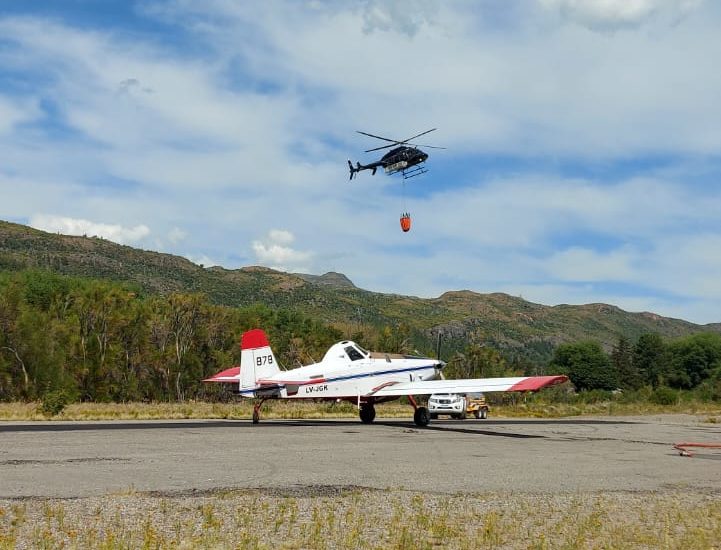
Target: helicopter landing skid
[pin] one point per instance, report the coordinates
(415, 171)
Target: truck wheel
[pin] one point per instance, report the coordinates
(434, 416)
(463, 415)
(484, 414)
(477, 413)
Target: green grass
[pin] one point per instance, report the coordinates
(366, 519)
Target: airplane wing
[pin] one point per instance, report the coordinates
(468, 385)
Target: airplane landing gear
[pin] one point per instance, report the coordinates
(256, 411)
(421, 417)
(367, 413)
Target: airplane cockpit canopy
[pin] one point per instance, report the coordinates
(345, 351)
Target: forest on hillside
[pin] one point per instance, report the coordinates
(98, 340)
(103, 341)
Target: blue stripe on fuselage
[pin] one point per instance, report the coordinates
(343, 378)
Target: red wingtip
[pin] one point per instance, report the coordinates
(253, 339)
(534, 383)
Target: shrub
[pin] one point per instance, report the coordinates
(710, 390)
(595, 396)
(54, 402)
(664, 396)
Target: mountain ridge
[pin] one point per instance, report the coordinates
(499, 319)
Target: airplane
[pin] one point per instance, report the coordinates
(349, 372)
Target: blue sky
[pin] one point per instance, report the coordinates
(583, 138)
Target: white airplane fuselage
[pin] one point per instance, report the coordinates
(346, 371)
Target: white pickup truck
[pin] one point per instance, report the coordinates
(447, 403)
(457, 405)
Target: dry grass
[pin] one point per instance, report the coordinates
(155, 411)
(286, 409)
(328, 517)
(609, 408)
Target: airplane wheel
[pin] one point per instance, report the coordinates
(256, 417)
(421, 417)
(367, 414)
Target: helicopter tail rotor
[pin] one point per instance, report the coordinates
(355, 169)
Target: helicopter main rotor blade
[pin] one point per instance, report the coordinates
(426, 146)
(396, 142)
(403, 143)
(378, 137)
(419, 135)
(383, 147)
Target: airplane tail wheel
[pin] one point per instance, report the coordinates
(421, 417)
(256, 410)
(367, 413)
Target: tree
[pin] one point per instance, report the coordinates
(395, 339)
(693, 359)
(186, 319)
(477, 361)
(622, 360)
(651, 359)
(586, 364)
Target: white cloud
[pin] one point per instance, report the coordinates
(175, 235)
(280, 236)
(274, 251)
(201, 260)
(616, 14)
(74, 226)
(16, 111)
(406, 16)
(582, 264)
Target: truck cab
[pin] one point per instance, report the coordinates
(453, 404)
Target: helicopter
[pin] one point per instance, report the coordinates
(407, 158)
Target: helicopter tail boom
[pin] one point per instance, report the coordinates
(358, 167)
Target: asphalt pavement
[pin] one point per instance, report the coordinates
(77, 459)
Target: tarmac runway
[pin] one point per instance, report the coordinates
(77, 459)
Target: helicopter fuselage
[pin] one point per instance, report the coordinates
(401, 158)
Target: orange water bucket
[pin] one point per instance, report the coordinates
(406, 222)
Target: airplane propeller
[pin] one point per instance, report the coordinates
(441, 364)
